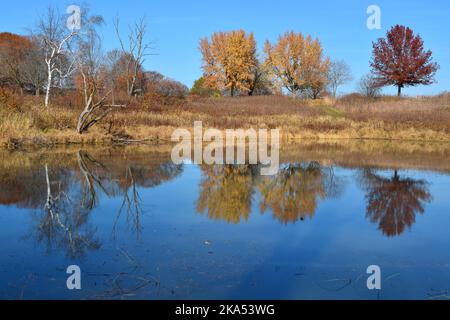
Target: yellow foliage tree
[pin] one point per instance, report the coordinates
(297, 63)
(229, 61)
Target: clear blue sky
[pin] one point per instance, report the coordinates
(177, 25)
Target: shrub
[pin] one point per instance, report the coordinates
(9, 100)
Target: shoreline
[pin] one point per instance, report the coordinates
(343, 153)
(68, 138)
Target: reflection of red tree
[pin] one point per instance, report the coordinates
(393, 203)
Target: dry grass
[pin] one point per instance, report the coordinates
(420, 113)
(352, 117)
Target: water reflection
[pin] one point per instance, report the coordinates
(140, 226)
(63, 224)
(293, 194)
(226, 192)
(64, 191)
(394, 202)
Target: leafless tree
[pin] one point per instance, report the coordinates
(261, 84)
(368, 86)
(338, 75)
(32, 68)
(135, 51)
(9, 72)
(113, 58)
(90, 67)
(56, 40)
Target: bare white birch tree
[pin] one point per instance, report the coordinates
(56, 39)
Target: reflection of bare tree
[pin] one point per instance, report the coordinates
(226, 192)
(154, 174)
(74, 186)
(136, 176)
(91, 179)
(293, 193)
(64, 223)
(394, 202)
(131, 203)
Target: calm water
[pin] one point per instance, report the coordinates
(141, 227)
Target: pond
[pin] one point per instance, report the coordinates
(141, 227)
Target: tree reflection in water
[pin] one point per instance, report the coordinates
(293, 194)
(65, 192)
(226, 191)
(65, 189)
(393, 202)
(138, 176)
(63, 223)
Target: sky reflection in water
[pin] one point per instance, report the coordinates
(141, 227)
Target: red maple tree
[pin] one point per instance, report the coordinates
(400, 60)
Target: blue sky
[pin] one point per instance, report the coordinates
(176, 27)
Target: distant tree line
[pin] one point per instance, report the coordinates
(295, 64)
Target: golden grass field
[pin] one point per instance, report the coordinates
(24, 121)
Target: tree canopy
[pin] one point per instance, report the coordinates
(401, 60)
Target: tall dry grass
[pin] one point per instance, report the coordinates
(432, 113)
(25, 120)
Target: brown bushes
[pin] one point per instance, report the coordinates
(419, 113)
(10, 100)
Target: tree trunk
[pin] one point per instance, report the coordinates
(49, 83)
(232, 91)
(399, 92)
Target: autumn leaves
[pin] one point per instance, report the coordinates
(229, 61)
(401, 60)
(295, 63)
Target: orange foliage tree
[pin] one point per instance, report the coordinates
(13, 49)
(229, 61)
(297, 63)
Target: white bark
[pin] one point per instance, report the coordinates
(57, 49)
